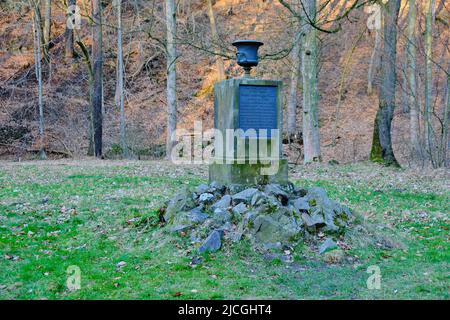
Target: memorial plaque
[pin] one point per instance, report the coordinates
(246, 103)
(258, 108)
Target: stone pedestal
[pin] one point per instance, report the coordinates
(248, 152)
(248, 174)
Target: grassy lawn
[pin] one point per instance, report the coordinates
(96, 214)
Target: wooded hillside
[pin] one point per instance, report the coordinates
(353, 61)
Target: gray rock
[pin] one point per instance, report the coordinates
(342, 215)
(244, 196)
(327, 245)
(273, 202)
(317, 197)
(181, 228)
(269, 219)
(216, 186)
(275, 190)
(240, 209)
(317, 218)
(317, 194)
(182, 201)
(197, 216)
(268, 230)
(257, 198)
(291, 228)
(206, 197)
(223, 203)
(235, 236)
(202, 188)
(235, 188)
(300, 192)
(227, 226)
(307, 219)
(249, 219)
(301, 204)
(221, 216)
(212, 243)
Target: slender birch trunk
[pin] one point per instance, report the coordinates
(215, 37)
(171, 75)
(120, 79)
(429, 7)
(311, 134)
(416, 153)
(37, 37)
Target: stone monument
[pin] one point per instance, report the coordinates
(249, 194)
(248, 123)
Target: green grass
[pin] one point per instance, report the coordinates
(94, 215)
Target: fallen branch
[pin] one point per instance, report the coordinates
(32, 150)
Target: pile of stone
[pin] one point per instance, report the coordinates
(271, 216)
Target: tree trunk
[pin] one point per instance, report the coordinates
(292, 97)
(171, 75)
(429, 7)
(404, 87)
(215, 37)
(119, 86)
(374, 61)
(416, 153)
(69, 49)
(47, 23)
(382, 142)
(97, 86)
(311, 134)
(37, 36)
(444, 138)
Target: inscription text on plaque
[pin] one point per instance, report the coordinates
(258, 108)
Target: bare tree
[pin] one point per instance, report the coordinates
(382, 150)
(69, 34)
(444, 138)
(47, 23)
(416, 152)
(311, 134)
(293, 87)
(119, 85)
(215, 37)
(374, 60)
(97, 84)
(429, 8)
(171, 25)
(37, 41)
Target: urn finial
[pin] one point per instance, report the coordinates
(247, 54)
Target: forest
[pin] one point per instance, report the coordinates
(97, 97)
(379, 75)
